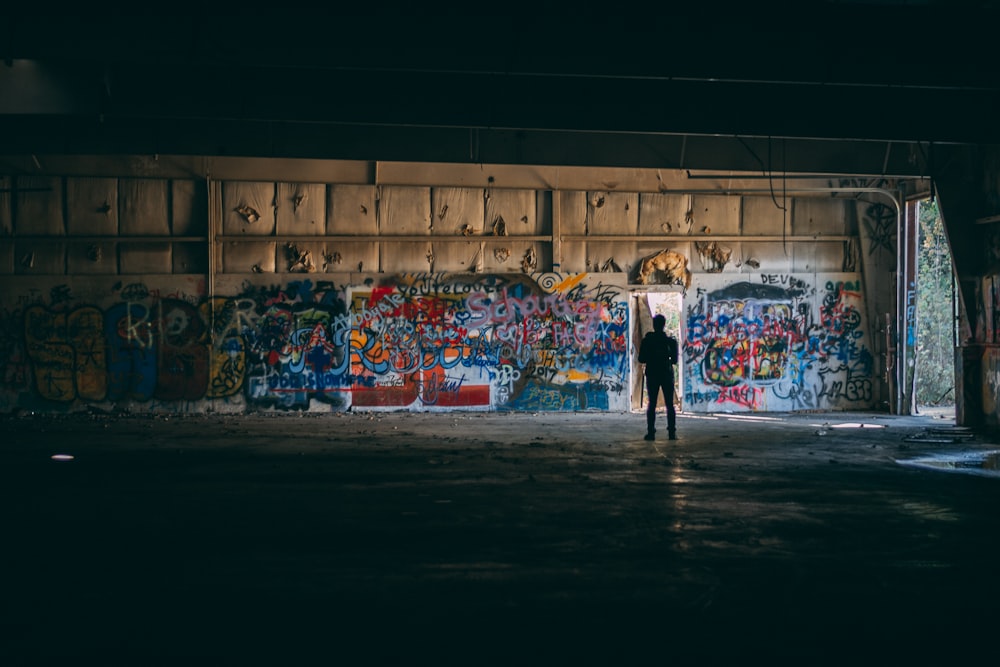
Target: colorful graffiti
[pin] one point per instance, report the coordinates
(413, 342)
(777, 344)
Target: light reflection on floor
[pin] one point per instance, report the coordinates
(975, 463)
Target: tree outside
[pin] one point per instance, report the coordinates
(935, 311)
(667, 304)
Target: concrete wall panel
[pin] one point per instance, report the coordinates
(764, 257)
(818, 257)
(529, 256)
(92, 206)
(572, 207)
(301, 209)
(404, 211)
(715, 214)
(32, 258)
(458, 212)
(39, 206)
(573, 256)
(248, 208)
(189, 258)
(662, 214)
(612, 256)
(814, 215)
(458, 256)
(144, 208)
(138, 258)
(517, 208)
(612, 213)
(761, 217)
(245, 257)
(352, 210)
(412, 256)
(92, 258)
(351, 256)
(499, 257)
(189, 208)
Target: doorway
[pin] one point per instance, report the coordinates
(645, 305)
(936, 314)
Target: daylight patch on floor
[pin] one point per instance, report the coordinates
(943, 435)
(974, 463)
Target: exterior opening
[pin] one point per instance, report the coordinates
(646, 306)
(936, 316)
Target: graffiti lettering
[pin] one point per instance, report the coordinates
(436, 340)
(775, 339)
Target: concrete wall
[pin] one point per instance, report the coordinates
(186, 296)
(399, 342)
(778, 342)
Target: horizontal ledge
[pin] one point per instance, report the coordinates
(382, 239)
(104, 239)
(417, 238)
(703, 237)
(546, 238)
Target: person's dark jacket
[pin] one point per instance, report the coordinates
(659, 352)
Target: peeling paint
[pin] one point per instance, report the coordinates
(249, 214)
(530, 261)
(668, 262)
(713, 256)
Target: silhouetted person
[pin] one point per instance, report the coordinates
(658, 353)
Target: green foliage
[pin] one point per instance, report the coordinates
(668, 305)
(935, 311)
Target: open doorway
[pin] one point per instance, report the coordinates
(647, 304)
(936, 315)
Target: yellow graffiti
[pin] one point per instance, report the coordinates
(85, 328)
(226, 349)
(570, 282)
(67, 353)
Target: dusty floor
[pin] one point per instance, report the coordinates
(475, 539)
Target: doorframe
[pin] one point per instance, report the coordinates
(641, 320)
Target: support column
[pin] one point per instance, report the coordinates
(907, 311)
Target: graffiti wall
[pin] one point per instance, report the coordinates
(417, 342)
(777, 342)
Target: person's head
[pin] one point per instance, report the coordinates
(659, 321)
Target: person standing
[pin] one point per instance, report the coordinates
(658, 354)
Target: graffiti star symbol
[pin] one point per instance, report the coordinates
(88, 353)
(881, 233)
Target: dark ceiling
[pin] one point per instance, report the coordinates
(835, 87)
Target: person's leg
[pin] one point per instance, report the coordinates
(668, 392)
(652, 394)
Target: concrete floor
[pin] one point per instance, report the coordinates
(474, 539)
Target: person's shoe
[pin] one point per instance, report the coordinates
(648, 436)
(672, 435)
